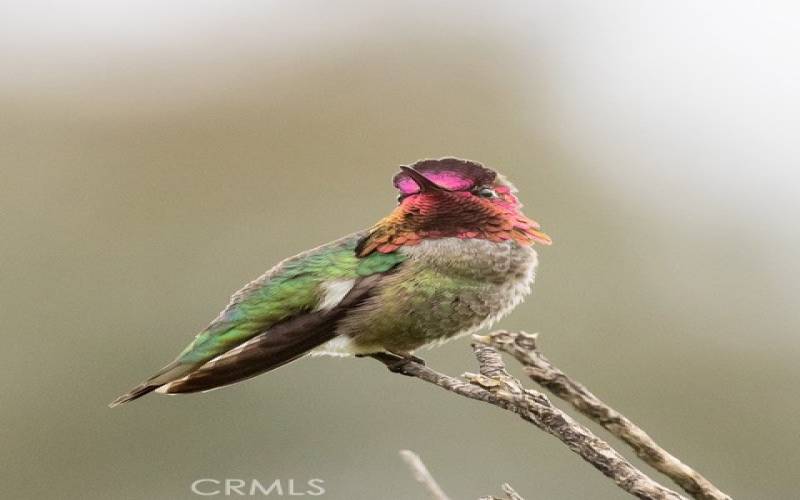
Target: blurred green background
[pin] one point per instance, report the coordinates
(154, 156)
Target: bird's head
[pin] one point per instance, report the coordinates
(452, 198)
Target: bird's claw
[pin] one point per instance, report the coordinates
(396, 362)
(407, 356)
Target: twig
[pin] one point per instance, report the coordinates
(495, 386)
(422, 475)
(523, 347)
(510, 494)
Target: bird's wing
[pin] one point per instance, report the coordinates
(280, 344)
(275, 319)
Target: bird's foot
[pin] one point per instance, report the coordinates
(396, 361)
(409, 357)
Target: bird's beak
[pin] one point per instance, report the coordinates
(425, 185)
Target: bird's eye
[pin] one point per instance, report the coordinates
(485, 192)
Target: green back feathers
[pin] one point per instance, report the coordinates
(291, 288)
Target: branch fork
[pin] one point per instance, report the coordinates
(494, 385)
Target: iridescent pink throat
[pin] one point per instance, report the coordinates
(457, 214)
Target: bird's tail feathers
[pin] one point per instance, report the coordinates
(169, 373)
(135, 393)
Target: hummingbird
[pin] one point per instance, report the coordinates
(453, 257)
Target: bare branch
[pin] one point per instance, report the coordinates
(422, 475)
(510, 494)
(495, 386)
(523, 347)
(509, 491)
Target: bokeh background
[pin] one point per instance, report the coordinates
(154, 156)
